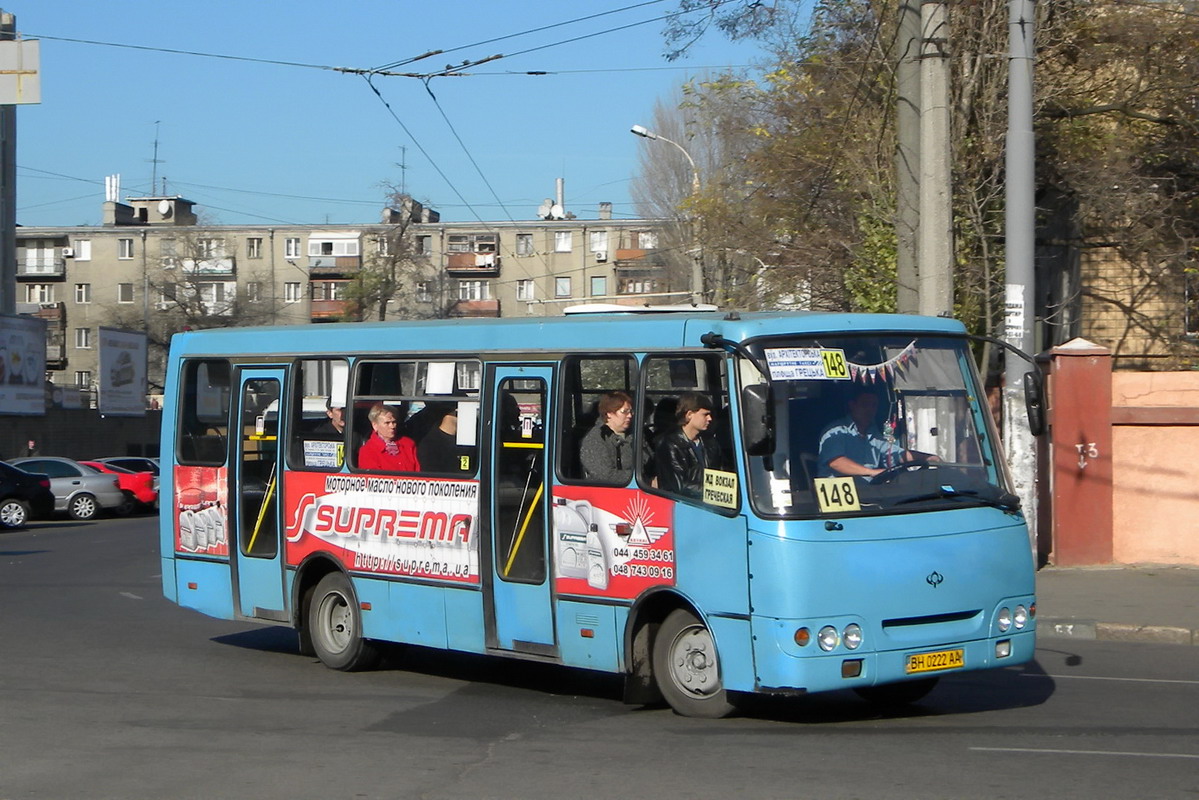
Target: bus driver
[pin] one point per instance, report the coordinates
(854, 445)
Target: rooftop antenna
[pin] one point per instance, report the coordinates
(156, 162)
(403, 170)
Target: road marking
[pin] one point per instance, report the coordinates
(130, 595)
(1101, 678)
(1084, 752)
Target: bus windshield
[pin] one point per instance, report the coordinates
(867, 424)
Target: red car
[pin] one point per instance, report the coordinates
(138, 487)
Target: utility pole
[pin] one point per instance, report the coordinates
(1020, 280)
(907, 159)
(8, 187)
(935, 287)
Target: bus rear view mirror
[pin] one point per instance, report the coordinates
(1034, 402)
(759, 427)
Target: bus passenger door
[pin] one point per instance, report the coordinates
(254, 494)
(520, 612)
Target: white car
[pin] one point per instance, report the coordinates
(79, 490)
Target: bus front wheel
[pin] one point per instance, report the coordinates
(687, 667)
(336, 626)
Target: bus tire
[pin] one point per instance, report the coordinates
(335, 626)
(687, 667)
(890, 695)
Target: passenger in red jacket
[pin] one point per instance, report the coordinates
(384, 450)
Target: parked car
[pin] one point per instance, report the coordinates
(140, 488)
(78, 490)
(23, 496)
(133, 463)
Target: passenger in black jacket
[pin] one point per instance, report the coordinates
(682, 455)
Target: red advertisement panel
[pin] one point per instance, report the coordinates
(200, 511)
(416, 527)
(611, 542)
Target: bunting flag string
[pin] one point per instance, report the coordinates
(889, 369)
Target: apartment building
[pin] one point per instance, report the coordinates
(152, 266)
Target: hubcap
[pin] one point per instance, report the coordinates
(693, 662)
(12, 514)
(338, 627)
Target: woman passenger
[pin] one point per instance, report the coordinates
(384, 450)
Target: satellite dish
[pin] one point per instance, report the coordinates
(556, 211)
(543, 211)
(165, 208)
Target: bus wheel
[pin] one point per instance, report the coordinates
(336, 627)
(687, 668)
(896, 694)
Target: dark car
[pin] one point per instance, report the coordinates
(23, 496)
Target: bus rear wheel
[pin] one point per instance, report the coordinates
(687, 667)
(891, 695)
(335, 626)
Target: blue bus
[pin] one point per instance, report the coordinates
(799, 502)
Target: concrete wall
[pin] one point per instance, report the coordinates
(81, 434)
(1155, 455)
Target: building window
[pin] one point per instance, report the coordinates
(254, 292)
(39, 293)
(333, 247)
(83, 293)
(124, 248)
(474, 290)
(424, 245)
(647, 240)
(217, 297)
(599, 242)
(291, 247)
(254, 247)
(599, 286)
(167, 253)
(524, 244)
(83, 338)
(329, 290)
(83, 378)
(291, 292)
(83, 249)
(525, 289)
(124, 292)
(423, 295)
(383, 245)
(166, 296)
(562, 240)
(561, 287)
(471, 243)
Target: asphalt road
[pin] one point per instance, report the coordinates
(108, 691)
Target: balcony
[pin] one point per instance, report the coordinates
(329, 310)
(482, 264)
(334, 265)
(56, 356)
(475, 308)
(41, 268)
(225, 265)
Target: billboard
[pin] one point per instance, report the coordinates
(22, 365)
(122, 378)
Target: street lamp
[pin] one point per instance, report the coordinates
(697, 272)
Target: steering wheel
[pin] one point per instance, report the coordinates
(888, 475)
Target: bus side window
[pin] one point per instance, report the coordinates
(204, 413)
(687, 382)
(586, 379)
(318, 414)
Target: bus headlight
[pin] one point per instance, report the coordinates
(1020, 617)
(852, 636)
(827, 638)
(1005, 619)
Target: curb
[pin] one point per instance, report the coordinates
(1068, 628)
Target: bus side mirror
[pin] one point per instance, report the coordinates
(1034, 402)
(756, 413)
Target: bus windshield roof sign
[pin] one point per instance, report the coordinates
(806, 364)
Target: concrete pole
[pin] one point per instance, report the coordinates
(1020, 225)
(935, 238)
(907, 158)
(8, 189)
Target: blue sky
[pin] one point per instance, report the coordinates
(261, 142)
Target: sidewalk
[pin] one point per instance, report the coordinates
(1140, 603)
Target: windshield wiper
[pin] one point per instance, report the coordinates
(1004, 501)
